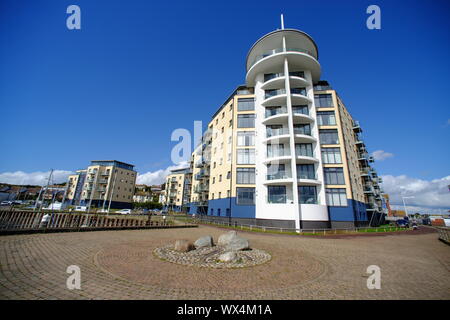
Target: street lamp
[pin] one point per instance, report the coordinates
(404, 204)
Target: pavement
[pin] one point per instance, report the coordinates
(121, 265)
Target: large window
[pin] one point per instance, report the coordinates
(246, 104)
(245, 138)
(246, 121)
(246, 156)
(336, 197)
(331, 155)
(276, 171)
(328, 136)
(276, 194)
(276, 150)
(245, 196)
(307, 194)
(306, 171)
(302, 109)
(326, 118)
(245, 175)
(304, 149)
(323, 100)
(334, 175)
(302, 129)
(275, 130)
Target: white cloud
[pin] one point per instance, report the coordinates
(429, 195)
(381, 155)
(34, 178)
(158, 176)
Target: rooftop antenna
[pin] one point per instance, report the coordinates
(282, 22)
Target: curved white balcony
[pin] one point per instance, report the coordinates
(302, 159)
(274, 83)
(278, 177)
(302, 118)
(279, 118)
(299, 99)
(296, 81)
(280, 159)
(297, 59)
(308, 181)
(303, 138)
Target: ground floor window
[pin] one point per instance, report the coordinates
(336, 197)
(245, 196)
(276, 194)
(307, 194)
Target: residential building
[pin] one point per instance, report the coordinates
(103, 184)
(178, 190)
(283, 150)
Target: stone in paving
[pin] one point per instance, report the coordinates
(206, 241)
(183, 246)
(120, 265)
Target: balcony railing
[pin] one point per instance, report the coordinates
(301, 91)
(277, 198)
(279, 175)
(275, 111)
(306, 175)
(300, 110)
(273, 93)
(270, 76)
(276, 132)
(278, 153)
(306, 132)
(299, 153)
(278, 50)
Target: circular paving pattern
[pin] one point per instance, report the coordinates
(208, 257)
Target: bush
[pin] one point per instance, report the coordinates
(147, 205)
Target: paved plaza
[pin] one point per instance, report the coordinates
(122, 265)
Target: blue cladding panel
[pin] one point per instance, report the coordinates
(354, 211)
(237, 211)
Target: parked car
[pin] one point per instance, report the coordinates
(81, 208)
(124, 211)
(6, 203)
(402, 223)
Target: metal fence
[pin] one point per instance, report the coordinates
(318, 231)
(28, 220)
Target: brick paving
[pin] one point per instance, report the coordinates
(121, 265)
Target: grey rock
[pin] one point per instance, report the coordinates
(225, 239)
(230, 256)
(237, 244)
(183, 246)
(206, 241)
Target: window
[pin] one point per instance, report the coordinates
(214, 180)
(334, 176)
(245, 138)
(218, 212)
(326, 118)
(329, 136)
(220, 179)
(230, 123)
(276, 150)
(246, 121)
(222, 129)
(304, 149)
(323, 100)
(275, 130)
(246, 156)
(306, 171)
(220, 195)
(245, 175)
(303, 109)
(276, 171)
(228, 174)
(246, 104)
(245, 196)
(302, 129)
(228, 193)
(307, 194)
(336, 197)
(212, 211)
(331, 155)
(276, 194)
(301, 91)
(223, 115)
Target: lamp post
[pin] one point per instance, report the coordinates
(404, 204)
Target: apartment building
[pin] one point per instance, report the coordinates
(283, 150)
(178, 190)
(103, 184)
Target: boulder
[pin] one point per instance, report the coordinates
(226, 238)
(237, 244)
(183, 246)
(206, 241)
(232, 242)
(230, 256)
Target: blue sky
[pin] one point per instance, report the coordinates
(137, 70)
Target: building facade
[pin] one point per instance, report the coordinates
(178, 190)
(283, 150)
(104, 184)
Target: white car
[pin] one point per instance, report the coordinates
(81, 208)
(124, 211)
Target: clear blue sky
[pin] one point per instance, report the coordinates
(139, 69)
